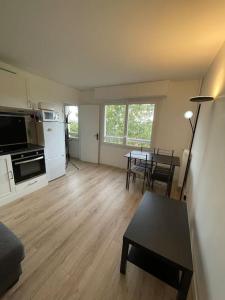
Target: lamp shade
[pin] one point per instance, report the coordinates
(188, 114)
(201, 99)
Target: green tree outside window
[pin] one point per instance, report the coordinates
(73, 121)
(138, 119)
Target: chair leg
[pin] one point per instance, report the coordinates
(127, 180)
(128, 183)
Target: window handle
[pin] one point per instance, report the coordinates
(97, 136)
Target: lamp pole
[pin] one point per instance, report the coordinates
(190, 148)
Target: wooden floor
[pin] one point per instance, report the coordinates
(72, 231)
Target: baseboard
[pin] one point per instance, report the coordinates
(74, 157)
(194, 288)
(194, 283)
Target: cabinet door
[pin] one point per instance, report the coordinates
(6, 176)
(12, 90)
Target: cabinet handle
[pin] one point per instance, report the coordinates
(32, 183)
(11, 175)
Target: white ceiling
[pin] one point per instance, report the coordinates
(89, 43)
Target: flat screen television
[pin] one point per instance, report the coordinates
(12, 130)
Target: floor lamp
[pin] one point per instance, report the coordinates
(188, 115)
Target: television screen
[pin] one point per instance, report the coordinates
(12, 130)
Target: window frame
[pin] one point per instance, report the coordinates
(127, 103)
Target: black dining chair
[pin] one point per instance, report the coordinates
(161, 172)
(141, 162)
(138, 170)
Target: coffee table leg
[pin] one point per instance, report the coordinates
(184, 285)
(123, 263)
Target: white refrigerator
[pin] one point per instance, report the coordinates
(53, 139)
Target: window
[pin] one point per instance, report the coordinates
(73, 124)
(114, 123)
(129, 124)
(139, 124)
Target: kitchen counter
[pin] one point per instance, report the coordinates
(17, 149)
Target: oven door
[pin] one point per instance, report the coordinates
(27, 168)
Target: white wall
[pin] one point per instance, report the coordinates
(206, 188)
(170, 112)
(173, 130)
(74, 148)
(117, 93)
(135, 90)
(26, 90)
(37, 89)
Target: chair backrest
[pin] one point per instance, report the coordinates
(168, 153)
(165, 166)
(145, 164)
(133, 159)
(151, 150)
(161, 151)
(144, 160)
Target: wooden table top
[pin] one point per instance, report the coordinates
(160, 225)
(159, 158)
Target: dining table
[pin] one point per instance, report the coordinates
(151, 156)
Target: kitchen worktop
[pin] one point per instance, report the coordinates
(16, 149)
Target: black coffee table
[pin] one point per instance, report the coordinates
(158, 241)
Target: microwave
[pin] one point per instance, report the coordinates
(49, 116)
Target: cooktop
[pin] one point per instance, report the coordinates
(19, 148)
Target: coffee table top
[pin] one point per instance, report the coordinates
(160, 225)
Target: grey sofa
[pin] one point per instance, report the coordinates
(11, 255)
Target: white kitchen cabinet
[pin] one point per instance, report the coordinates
(13, 91)
(7, 184)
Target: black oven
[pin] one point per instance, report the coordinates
(27, 165)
